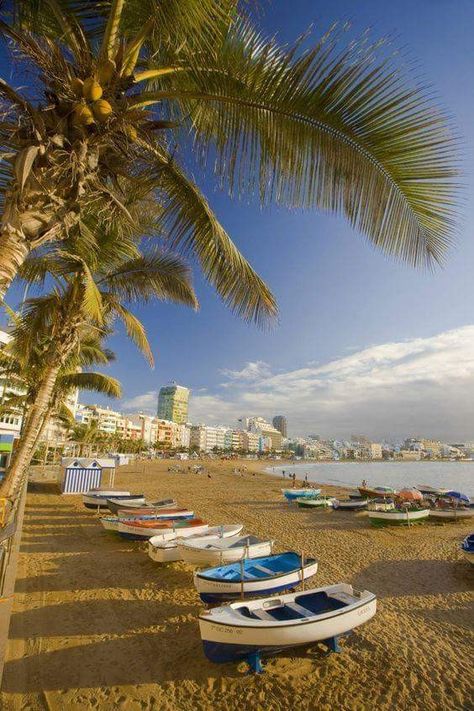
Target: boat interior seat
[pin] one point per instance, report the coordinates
(299, 609)
(263, 615)
(321, 602)
(263, 569)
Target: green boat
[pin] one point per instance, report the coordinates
(322, 502)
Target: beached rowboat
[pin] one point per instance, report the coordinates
(431, 490)
(116, 504)
(142, 530)
(150, 512)
(134, 502)
(254, 576)
(349, 504)
(205, 553)
(97, 498)
(246, 629)
(467, 548)
(451, 513)
(323, 502)
(397, 517)
(377, 492)
(164, 547)
(292, 494)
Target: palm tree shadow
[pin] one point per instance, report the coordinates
(110, 662)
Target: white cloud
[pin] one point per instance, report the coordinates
(252, 371)
(143, 403)
(422, 386)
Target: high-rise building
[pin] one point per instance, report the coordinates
(173, 403)
(279, 423)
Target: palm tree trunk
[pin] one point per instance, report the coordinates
(34, 421)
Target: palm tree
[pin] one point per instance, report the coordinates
(25, 370)
(86, 435)
(122, 88)
(87, 296)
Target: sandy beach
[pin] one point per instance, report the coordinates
(98, 625)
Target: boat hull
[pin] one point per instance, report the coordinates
(210, 557)
(115, 505)
(225, 641)
(164, 547)
(217, 590)
(98, 500)
(292, 494)
(140, 533)
(467, 548)
(431, 490)
(110, 523)
(397, 518)
(317, 503)
(352, 505)
(451, 514)
(377, 493)
(159, 514)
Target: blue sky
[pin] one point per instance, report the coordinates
(337, 296)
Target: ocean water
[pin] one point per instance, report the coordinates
(458, 476)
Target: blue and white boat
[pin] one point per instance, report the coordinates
(467, 548)
(249, 628)
(293, 494)
(254, 576)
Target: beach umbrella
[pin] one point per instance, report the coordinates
(410, 494)
(458, 495)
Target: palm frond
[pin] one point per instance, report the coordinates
(194, 229)
(133, 326)
(331, 128)
(91, 297)
(153, 275)
(97, 382)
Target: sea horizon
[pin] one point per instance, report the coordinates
(458, 476)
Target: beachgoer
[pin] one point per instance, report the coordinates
(364, 484)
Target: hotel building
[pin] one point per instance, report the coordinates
(173, 403)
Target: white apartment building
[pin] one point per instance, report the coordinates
(11, 423)
(251, 441)
(375, 450)
(258, 425)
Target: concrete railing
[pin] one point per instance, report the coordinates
(12, 510)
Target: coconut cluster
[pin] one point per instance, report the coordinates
(92, 107)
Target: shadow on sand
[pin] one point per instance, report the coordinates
(401, 578)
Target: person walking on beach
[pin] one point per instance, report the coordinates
(305, 478)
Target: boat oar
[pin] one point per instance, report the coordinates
(302, 569)
(241, 578)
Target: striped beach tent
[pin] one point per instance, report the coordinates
(81, 475)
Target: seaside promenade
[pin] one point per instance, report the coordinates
(98, 625)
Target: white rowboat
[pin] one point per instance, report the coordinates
(97, 498)
(205, 553)
(164, 547)
(452, 514)
(397, 518)
(245, 629)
